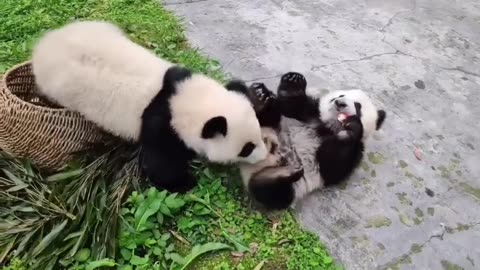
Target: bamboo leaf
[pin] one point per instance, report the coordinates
(14, 178)
(64, 175)
(7, 249)
(48, 239)
(17, 188)
(24, 242)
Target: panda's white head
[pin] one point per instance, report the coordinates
(351, 102)
(216, 123)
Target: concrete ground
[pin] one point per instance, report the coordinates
(420, 61)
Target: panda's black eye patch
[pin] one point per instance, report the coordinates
(341, 96)
(247, 150)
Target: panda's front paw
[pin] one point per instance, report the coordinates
(292, 84)
(353, 128)
(262, 94)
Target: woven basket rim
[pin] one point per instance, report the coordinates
(12, 96)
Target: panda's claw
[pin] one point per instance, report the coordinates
(262, 93)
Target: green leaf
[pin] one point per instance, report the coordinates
(100, 263)
(157, 251)
(125, 267)
(126, 254)
(17, 188)
(175, 203)
(177, 258)
(165, 210)
(327, 260)
(159, 218)
(259, 266)
(82, 255)
(14, 178)
(49, 238)
(145, 211)
(199, 250)
(239, 246)
(64, 175)
(135, 260)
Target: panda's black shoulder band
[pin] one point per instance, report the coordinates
(175, 75)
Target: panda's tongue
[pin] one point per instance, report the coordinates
(341, 117)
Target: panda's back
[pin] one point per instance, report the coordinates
(93, 68)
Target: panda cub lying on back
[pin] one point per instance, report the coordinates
(95, 69)
(337, 124)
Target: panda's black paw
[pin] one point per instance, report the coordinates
(353, 128)
(262, 94)
(292, 84)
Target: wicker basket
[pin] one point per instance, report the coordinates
(32, 127)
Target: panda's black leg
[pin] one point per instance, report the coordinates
(165, 171)
(293, 100)
(266, 106)
(338, 158)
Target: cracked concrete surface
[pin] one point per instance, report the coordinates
(420, 60)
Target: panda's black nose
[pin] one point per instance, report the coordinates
(340, 104)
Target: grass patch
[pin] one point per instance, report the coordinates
(212, 227)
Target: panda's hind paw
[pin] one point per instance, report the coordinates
(292, 84)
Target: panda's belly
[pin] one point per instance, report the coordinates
(302, 142)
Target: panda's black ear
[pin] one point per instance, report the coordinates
(381, 118)
(237, 86)
(214, 126)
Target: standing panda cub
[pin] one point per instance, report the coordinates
(326, 134)
(93, 68)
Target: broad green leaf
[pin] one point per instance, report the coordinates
(100, 263)
(49, 238)
(165, 210)
(199, 250)
(158, 251)
(239, 246)
(177, 258)
(126, 254)
(64, 175)
(135, 260)
(82, 255)
(149, 211)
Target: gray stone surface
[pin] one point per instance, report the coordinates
(419, 59)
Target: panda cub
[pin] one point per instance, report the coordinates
(175, 115)
(326, 134)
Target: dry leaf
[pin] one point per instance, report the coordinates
(236, 254)
(418, 153)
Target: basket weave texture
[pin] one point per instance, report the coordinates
(32, 127)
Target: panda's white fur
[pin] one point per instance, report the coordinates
(93, 67)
